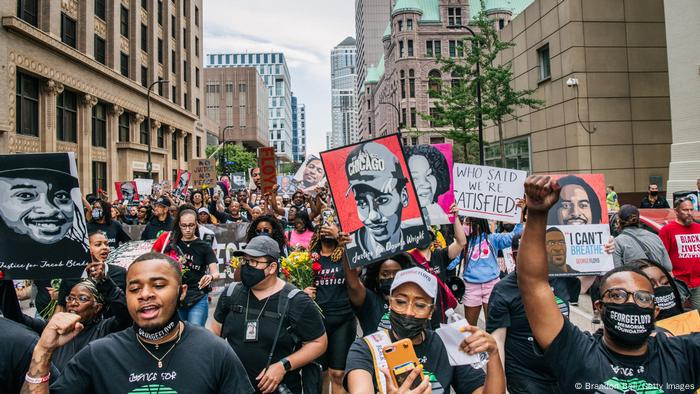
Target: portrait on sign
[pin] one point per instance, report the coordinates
(127, 191)
(42, 222)
(181, 184)
(431, 171)
(310, 175)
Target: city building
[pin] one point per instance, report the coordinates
(298, 130)
(601, 68)
(273, 68)
(395, 92)
(684, 84)
(329, 139)
(343, 97)
(371, 17)
(79, 71)
(237, 100)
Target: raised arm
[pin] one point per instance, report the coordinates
(460, 239)
(273, 202)
(356, 290)
(543, 314)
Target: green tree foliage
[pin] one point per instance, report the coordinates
(242, 159)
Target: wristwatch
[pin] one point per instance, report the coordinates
(286, 364)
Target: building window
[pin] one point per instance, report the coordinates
(28, 11)
(401, 49)
(186, 153)
(197, 109)
(66, 116)
(187, 101)
(456, 49)
(198, 147)
(160, 136)
(144, 76)
(100, 9)
(160, 87)
(196, 16)
(27, 112)
(411, 84)
(173, 62)
(173, 145)
(517, 154)
(99, 125)
(454, 16)
(196, 46)
(409, 24)
(543, 57)
(160, 12)
(501, 24)
(196, 76)
(143, 132)
(144, 38)
(144, 4)
(434, 82)
(173, 27)
(124, 64)
(124, 127)
(403, 84)
(413, 117)
(67, 30)
(433, 48)
(174, 93)
(124, 22)
(403, 117)
(100, 51)
(184, 38)
(160, 51)
(399, 26)
(185, 73)
(433, 118)
(99, 176)
(410, 47)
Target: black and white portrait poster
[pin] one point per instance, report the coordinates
(181, 184)
(375, 199)
(42, 222)
(310, 175)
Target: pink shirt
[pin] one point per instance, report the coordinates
(303, 239)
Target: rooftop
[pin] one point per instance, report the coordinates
(514, 6)
(429, 9)
(347, 42)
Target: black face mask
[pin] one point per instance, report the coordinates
(628, 324)
(385, 286)
(654, 193)
(666, 301)
(406, 326)
(251, 276)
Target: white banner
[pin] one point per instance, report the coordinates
(144, 186)
(488, 192)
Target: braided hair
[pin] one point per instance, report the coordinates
(315, 246)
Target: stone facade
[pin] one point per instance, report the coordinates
(56, 48)
(617, 120)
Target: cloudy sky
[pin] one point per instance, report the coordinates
(305, 30)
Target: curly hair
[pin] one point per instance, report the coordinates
(277, 230)
(371, 279)
(438, 164)
(196, 192)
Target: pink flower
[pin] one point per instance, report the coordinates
(315, 256)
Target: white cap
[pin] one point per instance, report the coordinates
(203, 209)
(424, 279)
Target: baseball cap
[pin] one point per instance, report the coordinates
(163, 201)
(628, 213)
(260, 246)
(203, 209)
(372, 165)
(424, 279)
(50, 167)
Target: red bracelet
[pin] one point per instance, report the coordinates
(40, 380)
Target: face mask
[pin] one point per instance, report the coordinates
(251, 276)
(467, 229)
(97, 214)
(666, 301)
(158, 333)
(654, 193)
(385, 286)
(406, 326)
(628, 324)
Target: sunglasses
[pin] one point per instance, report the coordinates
(263, 230)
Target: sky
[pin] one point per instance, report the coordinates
(304, 30)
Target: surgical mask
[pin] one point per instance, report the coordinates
(97, 214)
(628, 324)
(666, 301)
(251, 276)
(158, 333)
(407, 326)
(385, 286)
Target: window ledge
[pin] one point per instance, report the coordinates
(543, 80)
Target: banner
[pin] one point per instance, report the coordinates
(127, 191)
(577, 227)
(692, 195)
(43, 234)
(203, 173)
(488, 192)
(287, 186)
(310, 175)
(181, 185)
(144, 186)
(268, 170)
(431, 171)
(683, 324)
(375, 199)
(238, 181)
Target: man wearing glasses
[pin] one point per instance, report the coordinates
(248, 316)
(556, 252)
(626, 358)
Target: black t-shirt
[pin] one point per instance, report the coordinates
(331, 292)
(432, 354)
(582, 363)
(17, 344)
(114, 230)
(373, 314)
(198, 255)
(199, 363)
(154, 227)
(302, 317)
(506, 310)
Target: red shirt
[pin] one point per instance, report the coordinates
(683, 246)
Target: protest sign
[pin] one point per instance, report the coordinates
(488, 192)
(431, 171)
(127, 252)
(683, 324)
(42, 223)
(310, 175)
(692, 195)
(127, 191)
(144, 186)
(287, 187)
(203, 173)
(268, 170)
(183, 181)
(238, 181)
(577, 227)
(375, 199)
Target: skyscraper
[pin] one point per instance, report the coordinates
(301, 134)
(371, 17)
(343, 97)
(274, 71)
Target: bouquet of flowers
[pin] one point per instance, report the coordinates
(300, 268)
(49, 310)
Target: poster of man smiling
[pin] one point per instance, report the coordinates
(42, 224)
(375, 199)
(577, 227)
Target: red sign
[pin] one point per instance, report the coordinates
(268, 171)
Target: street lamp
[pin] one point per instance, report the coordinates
(149, 164)
(398, 113)
(478, 95)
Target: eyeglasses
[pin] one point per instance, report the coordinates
(193, 225)
(263, 230)
(81, 299)
(401, 305)
(251, 262)
(618, 295)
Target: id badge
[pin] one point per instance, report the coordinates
(251, 331)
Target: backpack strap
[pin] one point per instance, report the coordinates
(376, 343)
(286, 294)
(644, 248)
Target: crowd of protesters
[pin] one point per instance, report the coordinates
(148, 323)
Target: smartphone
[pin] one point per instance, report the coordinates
(401, 360)
(327, 216)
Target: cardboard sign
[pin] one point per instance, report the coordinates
(144, 186)
(181, 185)
(203, 173)
(488, 192)
(683, 324)
(431, 171)
(268, 169)
(310, 175)
(127, 191)
(42, 223)
(577, 227)
(375, 199)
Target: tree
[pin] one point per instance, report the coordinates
(456, 104)
(233, 158)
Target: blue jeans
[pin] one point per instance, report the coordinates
(196, 314)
